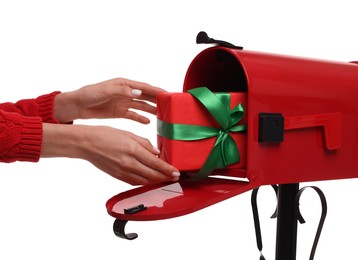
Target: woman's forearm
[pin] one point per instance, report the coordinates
(61, 140)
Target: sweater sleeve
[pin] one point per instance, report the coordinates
(43, 107)
(20, 137)
(21, 127)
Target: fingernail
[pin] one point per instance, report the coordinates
(136, 92)
(156, 150)
(176, 174)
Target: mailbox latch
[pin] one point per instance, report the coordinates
(271, 126)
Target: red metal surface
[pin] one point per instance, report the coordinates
(296, 87)
(331, 123)
(174, 199)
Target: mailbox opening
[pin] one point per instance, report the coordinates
(217, 70)
(220, 70)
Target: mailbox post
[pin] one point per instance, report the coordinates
(286, 237)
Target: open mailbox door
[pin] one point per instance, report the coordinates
(173, 199)
(302, 125)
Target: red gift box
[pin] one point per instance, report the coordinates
(189, 156)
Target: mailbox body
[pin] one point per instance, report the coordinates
(317, 99)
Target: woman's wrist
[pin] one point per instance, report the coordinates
(65, 109)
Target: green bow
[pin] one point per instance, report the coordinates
(225, 151)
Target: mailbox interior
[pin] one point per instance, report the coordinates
(220, 71)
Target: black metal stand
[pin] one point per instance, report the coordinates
(286, 238)
(288, 214)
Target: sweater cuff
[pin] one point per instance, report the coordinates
(46, 107)
(31, 140)
(20, 138)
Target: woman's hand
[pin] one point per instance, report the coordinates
(109, 99)
(121, 154)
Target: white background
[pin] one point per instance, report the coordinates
(55, 209)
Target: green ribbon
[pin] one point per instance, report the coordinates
(225, 151)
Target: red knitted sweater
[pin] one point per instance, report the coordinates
(21, 127)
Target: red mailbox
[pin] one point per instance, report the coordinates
(302, 113)
(302, 125)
